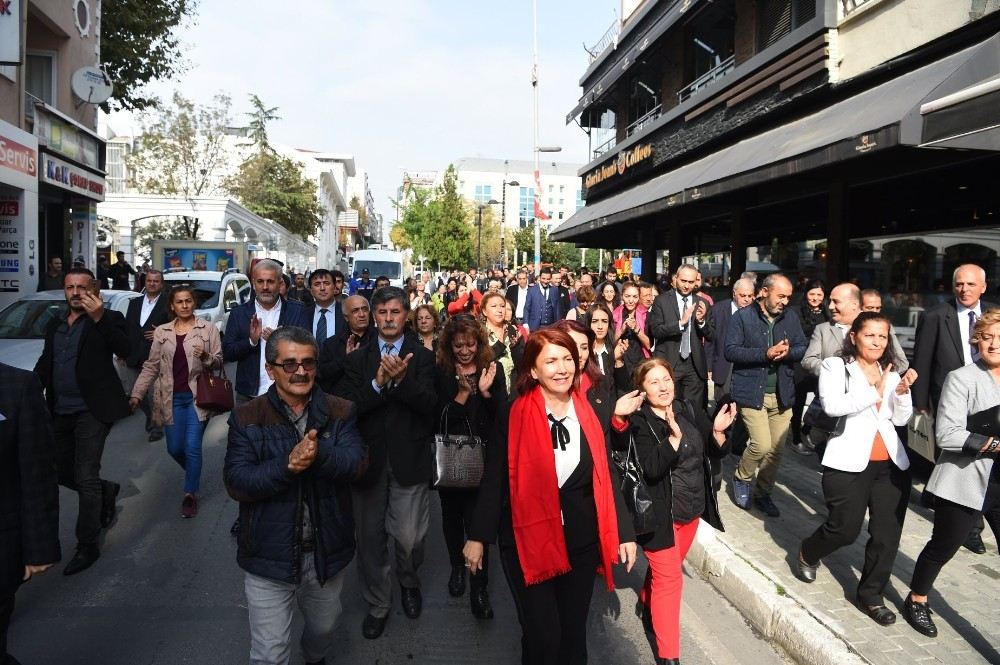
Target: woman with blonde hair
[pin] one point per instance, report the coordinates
(502, 337)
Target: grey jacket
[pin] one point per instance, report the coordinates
(827, 339)
(961, 475)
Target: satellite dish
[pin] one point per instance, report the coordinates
(91, 85)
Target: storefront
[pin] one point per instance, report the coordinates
(20, 262)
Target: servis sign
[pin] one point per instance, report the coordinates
(626, 160)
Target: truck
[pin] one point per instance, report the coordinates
(379, 262)
(217, 256)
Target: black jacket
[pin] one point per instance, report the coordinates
(29, 493)
(479, 412)
(397, 424)
(136, 333)
(746, 347)
(333, 353)
(272, 498)
(340, 322)
(663, 327)
(95, 371)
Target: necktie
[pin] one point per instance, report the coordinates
(560, 435)
(972, 325)
(686, 335)
(321, 327)
(388, 350)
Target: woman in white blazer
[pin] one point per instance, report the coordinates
(865, 469)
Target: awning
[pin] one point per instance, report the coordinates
(969, 118)
(882, 117)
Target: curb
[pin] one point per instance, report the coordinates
(776, 615)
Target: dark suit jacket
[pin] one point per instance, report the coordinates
(663, 326)
(29, 493)
(937, 350)
(333, 353)
(397, 423)
(338, 316)
(535, 303)
(95, 371)
(136, 333)
(716, 349)
(236, 346)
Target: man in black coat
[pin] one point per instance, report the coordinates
(355, 334)
(144, 314)
(29, 493)
(722, 312)
(323, 310)
(392, 383)
(517, 293)
(678, 322)
(85, 397)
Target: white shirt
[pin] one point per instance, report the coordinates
(268, 319)
(681, 308)
(147, 308)
(522, 295)
(733, 307)
(963, 330)
(331, 323)
(567, 460)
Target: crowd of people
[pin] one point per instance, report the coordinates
(346, 392)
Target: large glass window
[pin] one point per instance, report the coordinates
(526, 210)
(483, 194)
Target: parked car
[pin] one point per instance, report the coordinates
(23, 323)
(215, 293)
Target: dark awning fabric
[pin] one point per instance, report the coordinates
(881, 117)
(969, 118)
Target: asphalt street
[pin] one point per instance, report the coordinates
(168, 591)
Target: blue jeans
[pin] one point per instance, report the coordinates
(184, 440)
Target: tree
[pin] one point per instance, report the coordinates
(437, 224)
(165, 228)
(139, 44)
(556, 253)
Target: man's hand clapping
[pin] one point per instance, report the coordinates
(303, 454)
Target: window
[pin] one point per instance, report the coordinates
(40, 76)
(550, 198)
(526, 210)
(562, 188)
(777, 18)
(483, 194)
(550, 188)
(560, 214)
(562, 201)
(579, 199)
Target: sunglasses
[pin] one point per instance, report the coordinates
(292, 366)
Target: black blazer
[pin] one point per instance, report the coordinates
(721, 313)
(937, 351)
(333, 353)
(338, 317)
(398, 423)
(136, 333)
(512, 293)
(95, 371)
(29, 492)
(662, 325)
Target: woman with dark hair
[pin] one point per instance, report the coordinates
(503, 338)
(607, 354)
(451, 292)
(607, 293)
(865, 468)
(424, 322)
(470, 387)
(812, 312)
(182, 349)
(630, 324)
(674, 443)
(549, 501)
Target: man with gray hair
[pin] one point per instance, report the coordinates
(722, 312)
(392, 382)
(290, 455)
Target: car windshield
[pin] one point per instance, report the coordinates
(390, 269)
(206, 291)
(27, 319)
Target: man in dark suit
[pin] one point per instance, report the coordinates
(355, 334)
(942, 345)
(392, 383)
(323, 310)
(29, 490)
(517, 293)
(85, 397)
(721, 313)
(254, 321)
(542, 306)
(143, 315)
(678, 322)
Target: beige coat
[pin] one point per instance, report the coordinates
(158, 369)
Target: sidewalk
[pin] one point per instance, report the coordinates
(818, 623)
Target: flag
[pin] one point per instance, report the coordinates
(539, 213)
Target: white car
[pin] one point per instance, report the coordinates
(23, 323)
(215, 293)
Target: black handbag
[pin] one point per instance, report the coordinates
(634, 490)
(458, 458)
(818, 419)
(985, 422)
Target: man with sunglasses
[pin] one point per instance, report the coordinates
(290, 455)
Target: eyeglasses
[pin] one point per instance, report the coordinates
(292, 366)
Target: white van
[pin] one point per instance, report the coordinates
(380, 262)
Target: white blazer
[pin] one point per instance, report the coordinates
(851, 450)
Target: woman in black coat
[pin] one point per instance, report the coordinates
(469, 386)
(812, 312)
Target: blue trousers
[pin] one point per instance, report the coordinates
(184, 440)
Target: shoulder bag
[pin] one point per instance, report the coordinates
(818, 419)
(633, 488)
(215, 391)
(458, 458)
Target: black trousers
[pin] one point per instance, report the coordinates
(688, 384)
(6, 610)
(457, 507)
(553, 614)
(882, 490)
(952, 523)
(806, 385)
(79, 446)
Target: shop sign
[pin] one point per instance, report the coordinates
(626, 160)
(62, 174)
(84, 234)
(61, 136)
(10, 244)
(10, 32)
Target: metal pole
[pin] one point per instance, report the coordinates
(534, 88)
(503, 225)
(479, 238)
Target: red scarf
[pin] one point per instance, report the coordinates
(534, 490)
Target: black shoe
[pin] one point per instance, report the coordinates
(974, 543)
(765, 504)
(456, 583)
(480, 599)
(918, 615)
(155, 435)
(880, 614)
(373, 626)
(234, 530)
(412, 602)
(668, 661)
(109, 493)
(803, 570)
(321, 661)
(84, 558)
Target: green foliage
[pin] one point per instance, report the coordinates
(260, 116)
(437, 225)
(275, 188)
(139, 44)
(166, 228)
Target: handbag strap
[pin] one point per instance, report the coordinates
(443, 424)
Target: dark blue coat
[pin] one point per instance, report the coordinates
(236, 345)
(272, 498)
(746, 347)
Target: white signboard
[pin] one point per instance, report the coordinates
(84, 232)
(62, 174)
(10, 32)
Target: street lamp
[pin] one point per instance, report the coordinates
(503, 220)
(479, 231)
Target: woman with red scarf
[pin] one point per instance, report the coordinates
(548, 500)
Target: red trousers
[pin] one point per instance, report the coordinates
(661, 592)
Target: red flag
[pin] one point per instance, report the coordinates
(539, 213)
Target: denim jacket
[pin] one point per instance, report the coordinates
(746, 347)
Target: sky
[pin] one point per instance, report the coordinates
(400, 84)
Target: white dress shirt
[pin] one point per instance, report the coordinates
(331, 323)
(268, 319)
(681, 308)
(522, 296)
(567, 460)
(963, 330)
(147, 308)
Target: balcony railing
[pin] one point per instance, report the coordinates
(605, 147)
(29, 104)
(608, 40)
(644, 120)
(707, 79)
